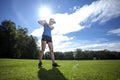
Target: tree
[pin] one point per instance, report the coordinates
(7, 38)
(78, 53)
(16, 43)
(68, 55)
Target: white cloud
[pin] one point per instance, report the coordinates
(100, 10)
(61, 42)
(37, 32)
(113, 46)
(93, 45)
(88, 45)
(105, 10)
(115, 31)
(66, 23)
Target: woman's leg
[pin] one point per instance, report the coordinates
(43, 46)
(50, 45)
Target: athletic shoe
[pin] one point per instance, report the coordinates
(55, 65)
(39, 64)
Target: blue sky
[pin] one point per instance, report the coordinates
(85, 24)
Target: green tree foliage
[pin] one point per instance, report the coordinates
(15, 42)
(59, 55)
(79, 54)
(68, 55)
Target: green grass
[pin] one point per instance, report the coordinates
(21, 69)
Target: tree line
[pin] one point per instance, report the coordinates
(16, 43)
(79, 54)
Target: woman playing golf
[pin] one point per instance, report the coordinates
(47, 39)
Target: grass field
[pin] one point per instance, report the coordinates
(21, 69)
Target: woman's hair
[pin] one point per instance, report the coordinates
(52, 20)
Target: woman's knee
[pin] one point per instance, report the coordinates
(51, 51)
(42, 50)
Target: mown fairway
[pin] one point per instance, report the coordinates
(20, 69)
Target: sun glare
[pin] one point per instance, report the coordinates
(44, 13)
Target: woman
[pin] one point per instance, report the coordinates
(47, 39)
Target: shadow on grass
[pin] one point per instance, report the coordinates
(51, 74)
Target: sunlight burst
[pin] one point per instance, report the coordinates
(45, 13)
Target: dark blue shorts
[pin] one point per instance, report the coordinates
(46, 38)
